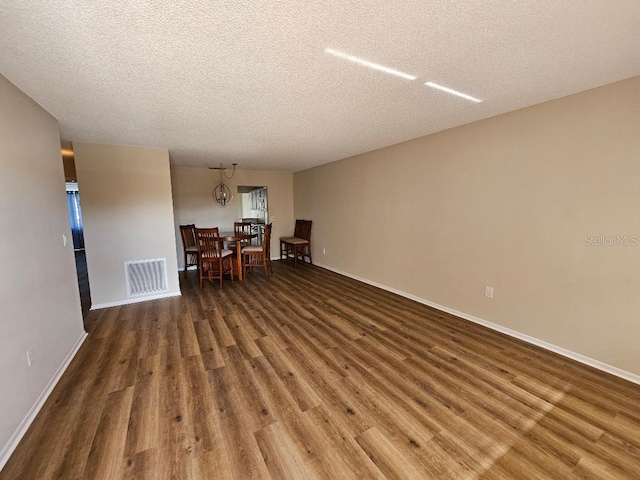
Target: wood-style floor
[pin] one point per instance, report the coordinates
(313, 375)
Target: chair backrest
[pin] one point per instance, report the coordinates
(303, 229)
(188, 233)
(209, 243)
(266, 242)
(242, 227)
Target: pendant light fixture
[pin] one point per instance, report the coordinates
(222, 193)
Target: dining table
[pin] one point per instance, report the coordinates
(238, 238)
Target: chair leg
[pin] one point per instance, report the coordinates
(245, 262)
(287, 248)
(264, 264)
(309, 252)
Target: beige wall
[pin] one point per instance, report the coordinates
(127, 212)
(505, 202)
(193, 201)
(39, 301)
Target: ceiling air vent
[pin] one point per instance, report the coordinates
(146, 277)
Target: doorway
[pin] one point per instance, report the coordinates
(75, 222)
(254, 204)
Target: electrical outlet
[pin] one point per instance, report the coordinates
(488, 292)
(30, 357)
(324, 251)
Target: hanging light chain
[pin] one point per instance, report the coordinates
(224, 170)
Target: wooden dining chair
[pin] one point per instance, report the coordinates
(215, 261)
(298, 246)
(189, 246)
(259, 255)
(240, 228)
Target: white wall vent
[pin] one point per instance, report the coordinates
(146, 277)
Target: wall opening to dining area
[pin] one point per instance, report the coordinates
(253, 205)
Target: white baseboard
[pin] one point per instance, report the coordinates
(605, 367)
(192, 267)
(13, 442)
(134, 300)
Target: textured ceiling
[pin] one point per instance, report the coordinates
(248, 81)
